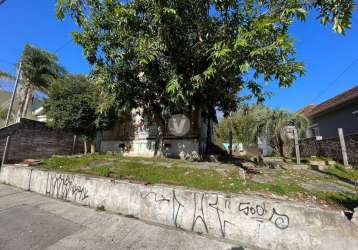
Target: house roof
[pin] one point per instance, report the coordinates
(307, 109)
(341, 99)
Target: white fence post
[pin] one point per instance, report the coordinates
(297, 146)
(5, 151)
(343, 147)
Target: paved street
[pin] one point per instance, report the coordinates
(32, 221)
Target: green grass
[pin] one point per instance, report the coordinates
(318, 158)
(344, 173)
(183, 173)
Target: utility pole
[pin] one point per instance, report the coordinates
(343, 147)
(297, 146)
(13, 95)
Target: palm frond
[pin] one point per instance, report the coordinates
(6, 76)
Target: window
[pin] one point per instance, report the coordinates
(313, 130)
(355, 114)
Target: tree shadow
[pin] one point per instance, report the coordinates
(347, 202)
(344, 179)
(238, 161)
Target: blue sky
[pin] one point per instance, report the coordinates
(325, 53)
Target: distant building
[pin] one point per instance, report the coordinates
(5, 99)
(340, 111)
(39, 114)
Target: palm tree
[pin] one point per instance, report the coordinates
(39, 69)
(271, 124)
(259, 121)
(6, 76)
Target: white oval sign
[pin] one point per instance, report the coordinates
(179, 125)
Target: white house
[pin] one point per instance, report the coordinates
(184, 136)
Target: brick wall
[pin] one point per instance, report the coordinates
(331, 148)
(34, 140)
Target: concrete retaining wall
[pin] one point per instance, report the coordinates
(252, 220)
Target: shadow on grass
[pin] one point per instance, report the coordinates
(344, 179)
(238, 162)
(348, 201)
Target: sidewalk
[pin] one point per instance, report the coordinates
(31, 221)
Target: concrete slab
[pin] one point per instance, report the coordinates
(27, 227)
(325, 186)
(32, 221)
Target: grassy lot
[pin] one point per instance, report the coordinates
(334, 187)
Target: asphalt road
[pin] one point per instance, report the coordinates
(32, 221)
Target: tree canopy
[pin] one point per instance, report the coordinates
(170, 54)
(40, 67)
(71, 105)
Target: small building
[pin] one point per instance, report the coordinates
(138, 135)
(340, 111)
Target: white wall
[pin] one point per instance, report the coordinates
(144, 147)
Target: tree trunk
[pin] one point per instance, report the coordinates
(158, 150)
(230, 136)
(93, 148)
(208, 135)
(22, 98)
(208, 132)
(27, 101)
(281, 145)
(85, 146)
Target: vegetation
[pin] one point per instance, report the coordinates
(6, 76)
(71, 105)
(166, 56)
(249, 123)
(344, 173)
(3, 115)
(38, 69)
(286, 183)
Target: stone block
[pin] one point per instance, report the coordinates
(319, 167)
(331, 162)
(317, 162)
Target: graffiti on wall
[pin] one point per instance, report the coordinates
(221, 208)
(64, 187)
(259, 213)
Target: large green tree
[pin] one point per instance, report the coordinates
(72, 106)
(198, 54)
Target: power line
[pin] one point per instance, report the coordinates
(63, 46)
(332, 83)
(56, 51)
